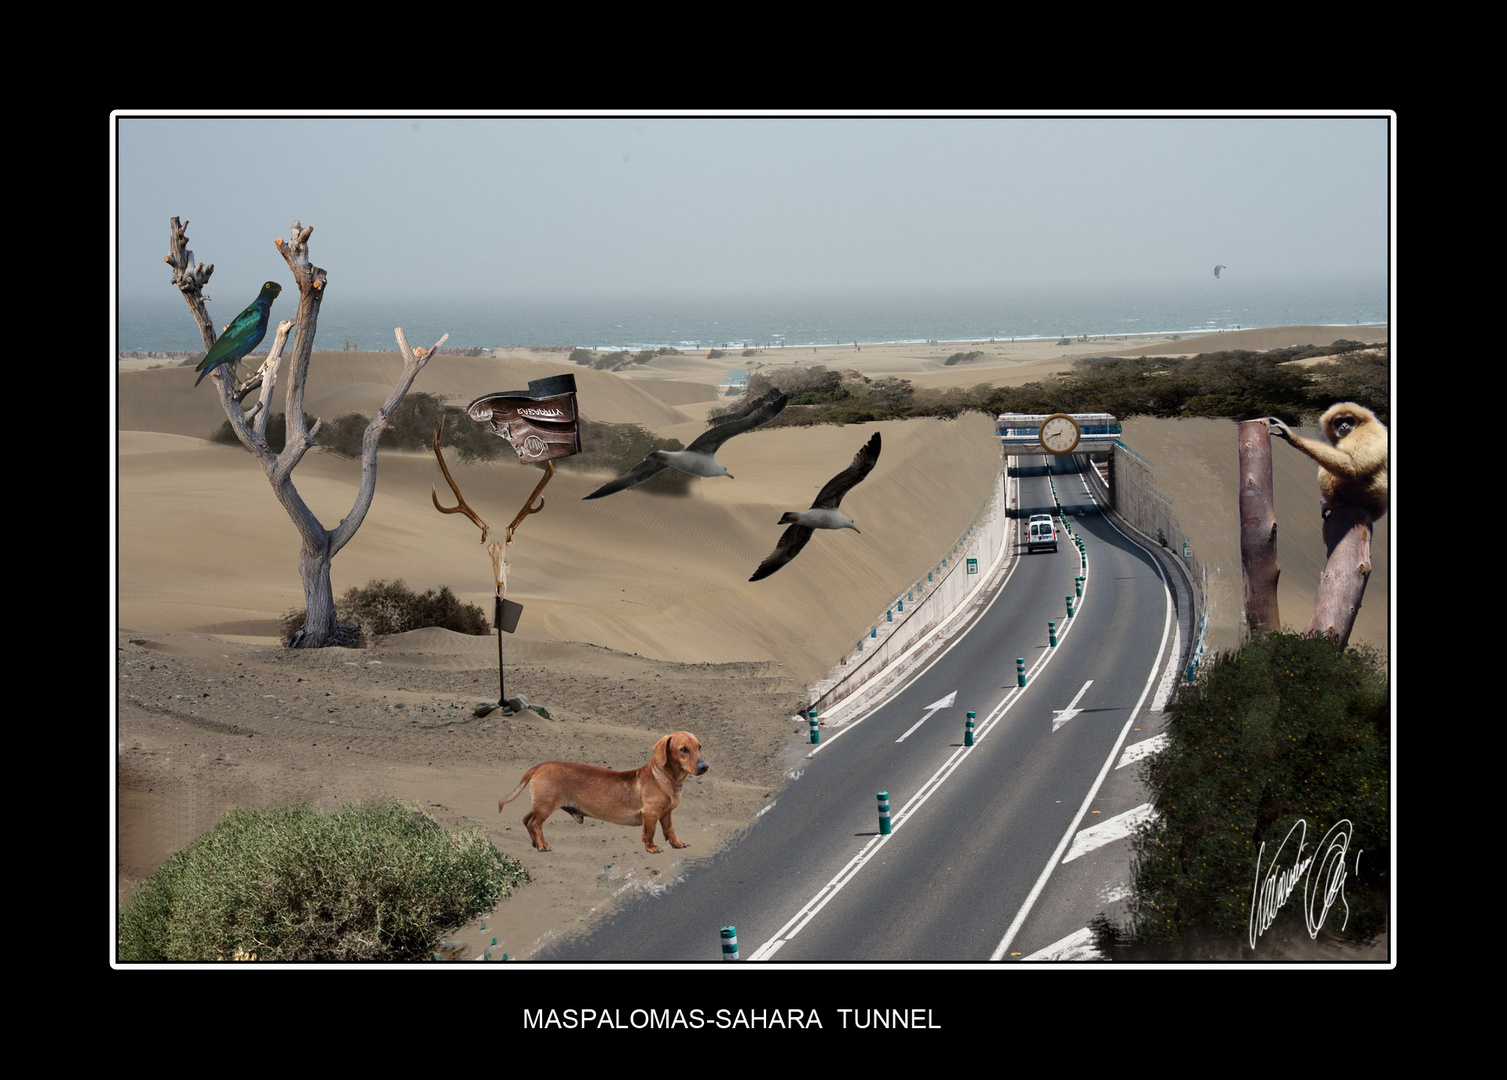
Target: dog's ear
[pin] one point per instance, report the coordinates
(662, 752)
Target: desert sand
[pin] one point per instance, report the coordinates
(638, 618)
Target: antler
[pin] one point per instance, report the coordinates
(462, 508)
(529, 506)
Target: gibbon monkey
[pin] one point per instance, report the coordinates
(1353, 463)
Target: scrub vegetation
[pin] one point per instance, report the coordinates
(1285, 739)
(378, 883)
(1235, 385)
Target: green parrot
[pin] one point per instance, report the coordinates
(243, 333)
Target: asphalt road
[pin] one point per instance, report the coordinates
(980, 861)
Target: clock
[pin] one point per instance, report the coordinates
(1059, 433)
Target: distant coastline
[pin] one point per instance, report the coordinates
(180, 355)
(162, 324)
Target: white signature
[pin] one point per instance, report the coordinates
(1320, 890)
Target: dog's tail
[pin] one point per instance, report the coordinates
(517, 790)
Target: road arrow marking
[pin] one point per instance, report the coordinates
(944, 703)
(1072, 710)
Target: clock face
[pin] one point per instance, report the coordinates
(1059, 433)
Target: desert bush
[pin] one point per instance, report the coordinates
(470, 440)
(391, 607)
(378, 883)
(962, 357)
(277, 433)
(413, 423)
(411, 427)
(581, 356)
(715, 354)
(343, 435)
(1286, 729)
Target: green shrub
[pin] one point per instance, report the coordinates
(343, 435)
(413, 423)
(379, 883)
(1287, 729)
(412, 427)
(391, 607)
(277, 433)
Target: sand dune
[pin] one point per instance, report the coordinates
(659, 575)
(648, 573)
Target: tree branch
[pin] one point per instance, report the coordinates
(266, 378)
(311, 282)
(413, 362)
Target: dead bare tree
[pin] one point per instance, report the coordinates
(318, 545)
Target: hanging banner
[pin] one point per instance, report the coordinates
(541, 423)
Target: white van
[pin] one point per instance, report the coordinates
(1041, 533)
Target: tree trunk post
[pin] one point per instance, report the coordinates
(1258, 527)
(1347, 537)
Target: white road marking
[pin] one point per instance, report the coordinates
(1107, 832)
(1078, 945)
(1140, 751)
(944, 703)
(1072, 710)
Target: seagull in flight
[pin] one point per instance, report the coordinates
(823, 513)
(699, 459)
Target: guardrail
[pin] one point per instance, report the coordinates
(930, 600)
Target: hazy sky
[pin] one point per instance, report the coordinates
(422, 205)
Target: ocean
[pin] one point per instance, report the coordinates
(163, 324)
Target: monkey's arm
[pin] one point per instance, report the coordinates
(1335, 460)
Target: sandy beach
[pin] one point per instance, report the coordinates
(638, 615)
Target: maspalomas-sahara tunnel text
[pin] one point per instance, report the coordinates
(568, 1019)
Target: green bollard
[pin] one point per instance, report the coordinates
(729, 943)
(1052, 631)
(884, 813)
(1069, 600)
(968, 730)
(816, 736)
(1020, 671)
(1078, 583)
